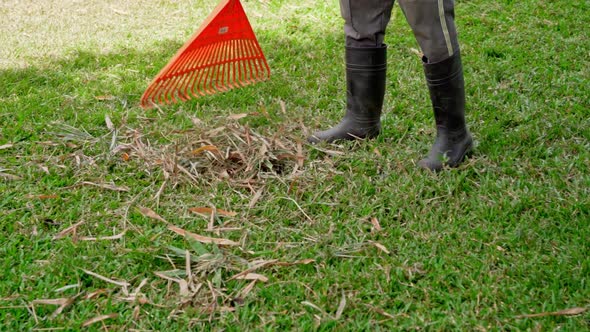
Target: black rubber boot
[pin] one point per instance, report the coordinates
(447, 93)
(365, 88)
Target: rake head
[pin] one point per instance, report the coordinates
(223, 54)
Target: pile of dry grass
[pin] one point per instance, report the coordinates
(230, 152)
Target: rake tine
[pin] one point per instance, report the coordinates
(243, 57)
(222, 54)
(206, 71)
(234, 65)
(209, 89)
(240, 64)
(179, 65)
(155, 92)
(254, 59)
(203, 70)
(196, 90)
(219, 69)
(170, 79)
(220, 78)
(249, 61)
(225, 66)
(191, 77)
(169, 92)
(184, 80)
(228, 65)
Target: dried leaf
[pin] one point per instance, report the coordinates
(380, 247)
(256, 197)
(95, 294)
(149, 213)
(102, 98)
(341, 307)
(329, 152)
(283, 107)
(65, 288)
(263, 151)
(196, 121)
(309, 304)
(6, 146)
(377, 152)
(9, 176)
(45, 169)
(48, 143)
(214, 309)
(566, 312)
(108, 122)
(216, 131)
(71, 229)
(203, 239)
(62, 307)
(99, 319)
(187, 263)
(257, 266)
(299, 262)
(382, 312)
(299, 207)
(163, 275)
(224, 229)
(416, 269)
(200, 238)
(105, 186)
(183, 288)
(122, 284)
(208, 211)
(136, 312)
(253, 276)
(237, 116)
(376, 224)
(210, 148)
(141, 284)
(271, 262)
(182, 284)
(41, 196)
(104, 238)
(185, 171)
(244, 292)
(59, 301)
(300, 155)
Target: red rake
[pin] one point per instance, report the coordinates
(223, 54)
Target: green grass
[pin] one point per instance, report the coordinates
(472, 248)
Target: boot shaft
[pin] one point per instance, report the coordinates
(365, 89)
(365, 82)
(447, 92)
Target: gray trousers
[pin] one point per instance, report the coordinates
(432, 21)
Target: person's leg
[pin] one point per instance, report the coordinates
(433, 24)
(366, 63)
(365, 21)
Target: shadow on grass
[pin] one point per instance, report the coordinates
(83, 85)
(307, 72)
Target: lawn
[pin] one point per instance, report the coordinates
(108, 211)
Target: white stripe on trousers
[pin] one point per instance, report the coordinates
(445, 29)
